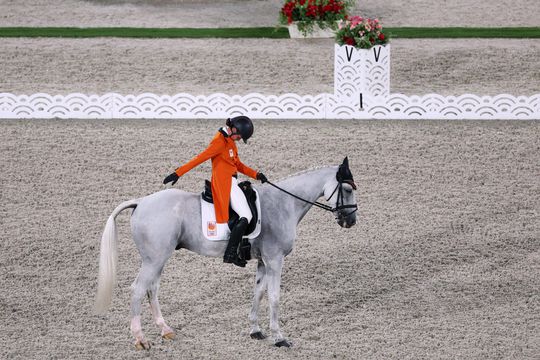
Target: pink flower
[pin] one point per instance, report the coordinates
(355, 20)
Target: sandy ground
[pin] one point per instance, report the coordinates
(443, 263)
(231, 13)
(241, 66)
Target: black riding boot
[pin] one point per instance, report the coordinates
(231, 253)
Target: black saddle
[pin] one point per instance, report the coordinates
(251, 197)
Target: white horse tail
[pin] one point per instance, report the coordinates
(108, 258)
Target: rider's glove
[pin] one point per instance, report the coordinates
(260, 176)
(173, 177)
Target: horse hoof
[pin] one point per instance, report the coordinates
(283, 343)
(169, 336)
(257, 335)
(142, 345)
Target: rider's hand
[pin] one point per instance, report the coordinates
(260, 176)
(173, 177)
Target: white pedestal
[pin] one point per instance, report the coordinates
(361, 73)
(317, 32)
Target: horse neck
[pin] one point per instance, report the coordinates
(308, 186)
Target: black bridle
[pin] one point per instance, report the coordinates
(338, 188)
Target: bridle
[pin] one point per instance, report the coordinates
(339, 189)
(340, 197)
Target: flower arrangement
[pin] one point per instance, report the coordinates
(361, 33)
(307, 13)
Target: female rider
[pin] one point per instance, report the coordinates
(225, 190)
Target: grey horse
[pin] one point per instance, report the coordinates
(171, 219)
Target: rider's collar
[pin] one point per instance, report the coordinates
(224, 131)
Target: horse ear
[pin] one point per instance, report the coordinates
(346, 162)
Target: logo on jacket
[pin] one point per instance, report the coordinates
(231, 153)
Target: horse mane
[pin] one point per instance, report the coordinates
(302, 172)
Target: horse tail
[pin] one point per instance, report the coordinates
(108, 258)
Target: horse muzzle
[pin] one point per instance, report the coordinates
(347, 222)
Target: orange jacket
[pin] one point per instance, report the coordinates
(225, 163)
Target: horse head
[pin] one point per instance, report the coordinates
(339, 191)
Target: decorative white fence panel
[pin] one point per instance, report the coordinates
(362, 91)
(179, 106)
(437, 107)
(287, 106)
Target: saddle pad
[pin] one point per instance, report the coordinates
(217, 232)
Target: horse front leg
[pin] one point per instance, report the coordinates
(273, 272)
(258, 292)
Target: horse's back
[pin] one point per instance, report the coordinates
(157, 220)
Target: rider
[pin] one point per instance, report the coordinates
(225, 165)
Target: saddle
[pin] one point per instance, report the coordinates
(254, 205)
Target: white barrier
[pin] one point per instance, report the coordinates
(287, 106)
(361, 91)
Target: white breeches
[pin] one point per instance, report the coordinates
(238, 201)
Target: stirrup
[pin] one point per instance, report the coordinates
(239, 262)
(235, 260)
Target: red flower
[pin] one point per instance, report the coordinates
(381, 36)
(349, 41)
(311, 10)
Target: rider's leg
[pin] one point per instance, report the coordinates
(240, 206)
(238, 201)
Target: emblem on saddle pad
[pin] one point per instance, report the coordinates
(211, 228)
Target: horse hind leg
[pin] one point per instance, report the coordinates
(148, 275)
(166, 331)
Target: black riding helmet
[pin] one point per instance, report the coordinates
(243, 126)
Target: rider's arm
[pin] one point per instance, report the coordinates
(216, 146)
(246, 170)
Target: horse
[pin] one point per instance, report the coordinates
(171, 219)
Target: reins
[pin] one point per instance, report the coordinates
(321, 205)
(316, 203)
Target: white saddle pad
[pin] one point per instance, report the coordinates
(217, 232)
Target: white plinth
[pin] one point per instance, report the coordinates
(361, 72)
(317, 32)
